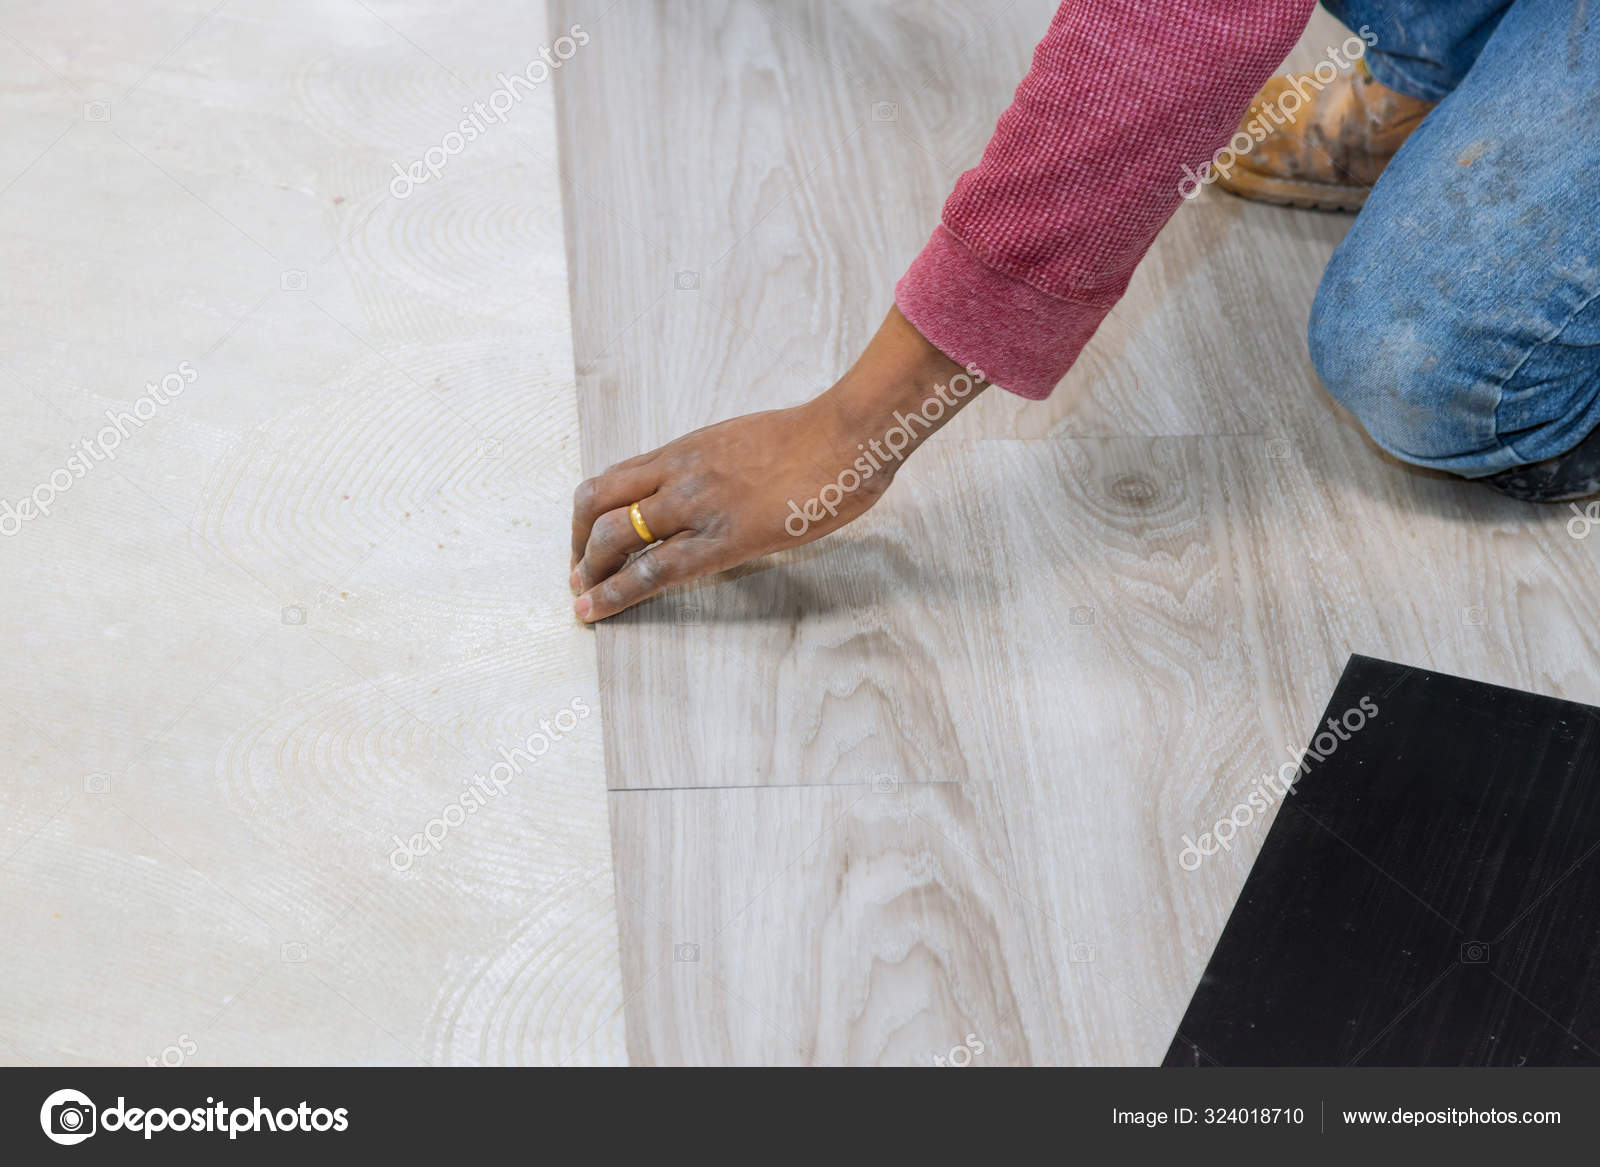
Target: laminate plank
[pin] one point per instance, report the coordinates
(778, 223)
(909, 951)
(1132, 697)
(1108, 611)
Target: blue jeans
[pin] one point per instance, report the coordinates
(1460, 318)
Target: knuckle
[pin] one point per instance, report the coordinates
(687, 461)
(584, 497)
(650, 571)
(625, 465)
(612, 534)
(647, 572)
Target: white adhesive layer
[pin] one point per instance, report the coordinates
(302, 606)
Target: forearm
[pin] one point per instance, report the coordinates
(1040, 239)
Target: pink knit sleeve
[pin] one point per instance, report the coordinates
(1040, 240)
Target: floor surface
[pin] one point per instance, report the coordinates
(917, 793)
(929, 779)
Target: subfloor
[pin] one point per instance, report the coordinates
(923, 786)
(319, 582)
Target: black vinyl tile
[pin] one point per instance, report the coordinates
(1428, 895)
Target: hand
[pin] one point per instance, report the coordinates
(746, 487)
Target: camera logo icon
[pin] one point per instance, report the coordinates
(1475, 952)
(686, 953)
(1082, 616)
(885, 111)
(294, 614)
(687, 281)
(68, 1117)
(97, 111)
(293, 281)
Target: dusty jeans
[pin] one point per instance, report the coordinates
(1459, 319)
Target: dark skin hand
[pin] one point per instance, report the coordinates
(720, 496)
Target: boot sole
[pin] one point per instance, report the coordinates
(1283, 192)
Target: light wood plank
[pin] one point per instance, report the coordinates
(910, 940)
(1103, 616)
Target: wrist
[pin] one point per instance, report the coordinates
(900, 391)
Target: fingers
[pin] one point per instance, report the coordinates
(660, 567)
(613, 538)
(621, 486)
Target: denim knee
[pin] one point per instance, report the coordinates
(1398, 365)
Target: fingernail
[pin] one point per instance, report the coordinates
(582, 607)
(576, 582)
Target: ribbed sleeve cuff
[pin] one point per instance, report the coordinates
(1023, 339)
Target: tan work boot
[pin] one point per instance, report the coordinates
(1322, 149)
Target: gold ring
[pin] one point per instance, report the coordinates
(639, 524)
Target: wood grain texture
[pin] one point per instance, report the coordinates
(316, 594)
(910, 946)
(1095, 619)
